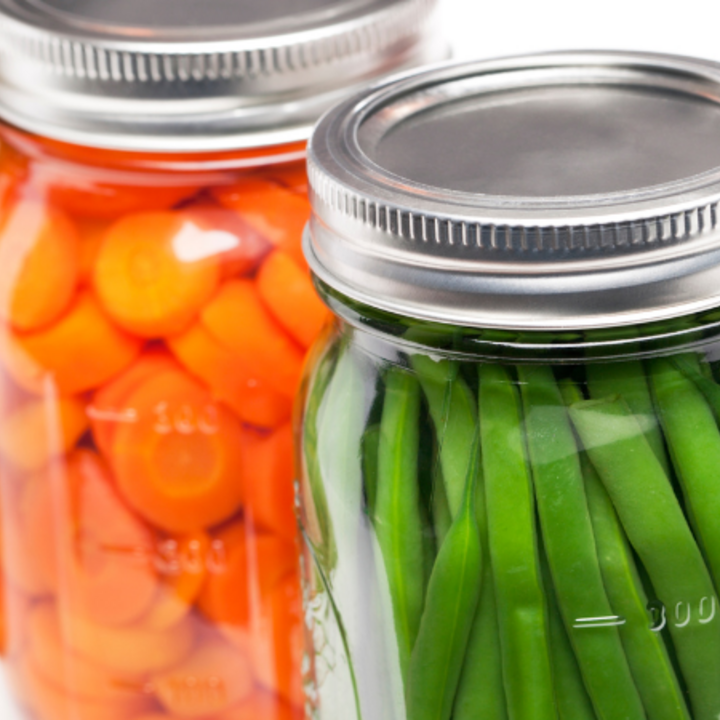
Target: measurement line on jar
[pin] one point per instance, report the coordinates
(603, 621)
(128, 415)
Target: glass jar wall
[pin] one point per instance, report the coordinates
(508, 524)
(155, 315)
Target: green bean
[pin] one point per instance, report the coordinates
(522, 614)
(397, 513)
(442, 519)
(452, 408)
(572, 698)
(645, 649)
(481, 693)
(570, 546)
(694, 441)
(628, 380)
(316, 516)
(450, 606)
(707, 386)
(657, 529)
(370, 445)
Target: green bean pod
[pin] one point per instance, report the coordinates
(316, 515)
(705, 383)
(454, 415)
(442, 519)
(645, 648)
(656, 527)
(522, 612)
(450, 606)
(628, 380)
(370, 445)
(397, 520)
(572, 698)
(570, 547)
(481, 693)
(694, 441)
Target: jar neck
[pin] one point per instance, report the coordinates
(387, 333)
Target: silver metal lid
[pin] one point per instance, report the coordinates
(570, 190)
(197, 75)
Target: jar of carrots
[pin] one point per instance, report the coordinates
(155, 312)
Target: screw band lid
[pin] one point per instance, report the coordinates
(197, 75)
(568, 190)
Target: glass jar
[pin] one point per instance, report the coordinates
(509, 438)
(155, 312)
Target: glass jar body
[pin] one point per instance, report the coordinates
(155, 315)
(504, 524)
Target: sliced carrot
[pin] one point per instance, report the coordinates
(109, 407)
(253, 565)
(269, 492)
(182, 565)
(40, 430)
(294, 177)
(263, 706)
(70, 672)
(37, 527)
(252, 399)
(239, 247)
(180, 464)
(276, 212)
(155, 271)
(237, 318)
(214, 678)
(88, 194)
(80, 352)
(40, 261)
(129, 650)
(105, 567)
(50, 703)
(289, 294)
(277, 643)
(92, 233)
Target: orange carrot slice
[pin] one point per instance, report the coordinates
(40, 261)
(276, 212)
(289, 294)
(155, 271)
(240, 247)
(109, 407)
(237, 318)
(92, 233)
(80, 352)
(129, 650)
(50, 703)
(92, 196)
(180, 464)
(294, 177)
(269, 492)
(214, 678)
(105, 567)
(253, 565)
(37, 524)
(69, 671)
(182, 565)
(252, 399)
(38, 431)
(276, 648)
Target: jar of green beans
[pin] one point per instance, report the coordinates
(508, 439)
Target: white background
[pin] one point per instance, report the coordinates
(491, 28)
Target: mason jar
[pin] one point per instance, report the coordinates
(509, 443)
(155, 312)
